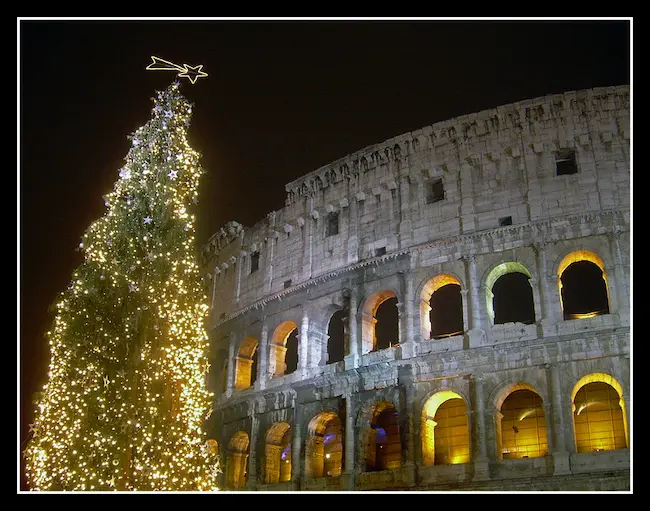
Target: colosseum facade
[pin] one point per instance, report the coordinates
(446, 310)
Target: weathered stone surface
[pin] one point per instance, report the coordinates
(504, 209)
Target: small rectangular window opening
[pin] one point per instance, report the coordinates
(565, 163)
(380, 251)
(506, 220)
(332, 224)
(255, 261)
(435, 191)
(287, 283)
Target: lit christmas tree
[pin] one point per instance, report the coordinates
(125, 402)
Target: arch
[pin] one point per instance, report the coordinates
(246, 363)
(337, 339)
(237, 460)
(599, 414)
(383, 444)
(277, 454)
(495, 274)
(572, 301)
(521, 424)
(430, 328)
(324, 446)
(369, 320)
(445, 429)
(283, 340)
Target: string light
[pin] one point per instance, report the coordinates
(126, 401)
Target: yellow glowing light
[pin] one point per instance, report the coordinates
(125, 401)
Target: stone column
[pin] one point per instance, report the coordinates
(545, 291)
(263, 357)
(466, 319)
(231, 365)
(617, 286)
(476, 332)
(303, 345)
(252, 449)
(349, 467)
(352, 359)
(481, 466)
(561, 460)
(296, 448)
(408, 336)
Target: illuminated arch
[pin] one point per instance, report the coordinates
(324, 446)
(246, 363)
(277, 454)
(494, 275)
(599, 414)
(521, 422)
(278, 347)
(237, 460)
(575, 257)
(382, 440)
(429, 288)
(369, 320)
(445, 429)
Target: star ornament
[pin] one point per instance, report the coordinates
(192, 73)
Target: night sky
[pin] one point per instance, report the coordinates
(282, 99)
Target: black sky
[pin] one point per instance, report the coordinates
(281, 100)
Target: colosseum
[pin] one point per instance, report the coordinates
(445, 310)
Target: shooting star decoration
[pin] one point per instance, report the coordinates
(192, 73)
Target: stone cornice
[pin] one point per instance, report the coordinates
(536, 230)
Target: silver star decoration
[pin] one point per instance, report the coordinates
(132, 287)
(173, 173)
(106, 381)
(147, 220)
(111, 482)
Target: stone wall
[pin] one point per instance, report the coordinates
(465, 201)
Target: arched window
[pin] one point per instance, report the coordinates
(283, 355)
(445, 430)
(446, 312)
(384, 445)
(583, 285)
(523, 425)
(324, 446)
(219, 372)
(277, 454)
(387, 326)
(379, 322)
(599, 414)
(237, 461)
(510, 295)
(441, 308)
(336, 337)
(246, 364)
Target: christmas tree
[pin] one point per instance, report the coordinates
(125, 401)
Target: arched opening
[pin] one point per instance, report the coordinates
(237, 461)
(446, 314)
(336, 337)
(246, 368)
(523, 426)
(599, 414)
(277, 454)
(441, 307)
(283, 353)
(379, 322)
(583, 290)
(324, 446)
(509, 294)
(387, 326)
(445, 430)
(384, 445)
(218, 376)
(291, 357)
